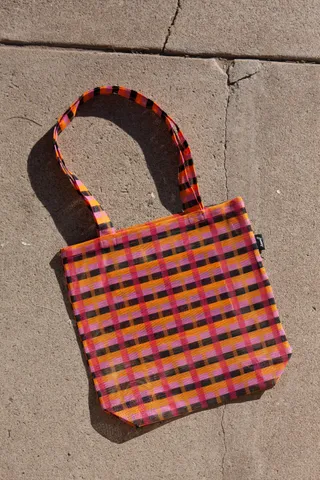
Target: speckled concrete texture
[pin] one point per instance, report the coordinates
(273, 148)
(251, 28)
(118, 24)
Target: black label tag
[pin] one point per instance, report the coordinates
(260, 242)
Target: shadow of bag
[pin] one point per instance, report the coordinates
(175, 315)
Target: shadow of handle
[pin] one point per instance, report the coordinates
(53, 188)
(69, 213)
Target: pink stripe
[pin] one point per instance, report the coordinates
(144, 313)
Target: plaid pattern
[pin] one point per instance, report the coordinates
(175, 315)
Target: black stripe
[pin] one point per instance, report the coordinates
(149, 103)
(104, 226)
(191, 203)
(185, 186)
(187, 163)
(94, 208)
(70, 114)
(133, 95)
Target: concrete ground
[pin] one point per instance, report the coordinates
(253, 122)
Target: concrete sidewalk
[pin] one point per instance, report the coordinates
(248, 28)
(253, 126)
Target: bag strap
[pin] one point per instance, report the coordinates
(189, 192)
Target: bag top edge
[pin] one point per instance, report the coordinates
(236, 202)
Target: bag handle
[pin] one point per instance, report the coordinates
(189, 192)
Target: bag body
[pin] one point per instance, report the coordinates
(175, 315)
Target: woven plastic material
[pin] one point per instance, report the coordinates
(175, 315)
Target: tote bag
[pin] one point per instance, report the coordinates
(175, 315)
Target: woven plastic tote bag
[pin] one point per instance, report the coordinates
(175, 315)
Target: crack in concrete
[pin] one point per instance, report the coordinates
(225, 166)
(25, 118)
(173, 21)
(46, 308)
(224, 444)
(235, 82)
